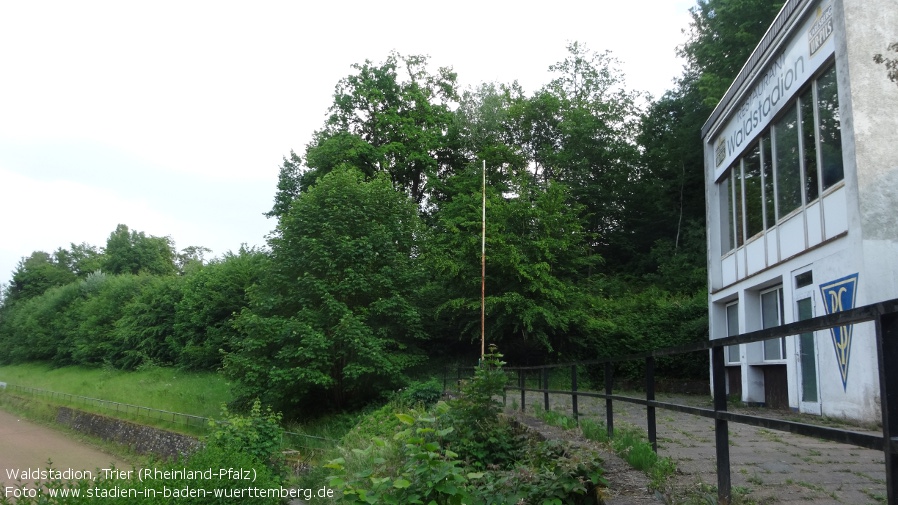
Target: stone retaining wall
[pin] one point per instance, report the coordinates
(141, 439)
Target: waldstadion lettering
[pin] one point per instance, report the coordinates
(840, 295)
(756, 111)
(773, 89)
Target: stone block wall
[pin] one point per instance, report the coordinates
(141, 439)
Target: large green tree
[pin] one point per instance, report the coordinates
(211, 297)
(536, 249)
(35, 274)
(334, 317)
(722, 35)
(390, 118)
(580, 130)
(133, 252)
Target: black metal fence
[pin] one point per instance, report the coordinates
(884, 317)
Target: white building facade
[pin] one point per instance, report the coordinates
(801, 180)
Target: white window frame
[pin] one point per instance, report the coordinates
(777, 291)
(732, 348)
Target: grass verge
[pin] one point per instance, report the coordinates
(197, 393)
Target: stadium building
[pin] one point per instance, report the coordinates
(801, 180)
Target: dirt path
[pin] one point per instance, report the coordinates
(767, 466)
(25, 445)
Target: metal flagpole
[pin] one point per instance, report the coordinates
(483, 273)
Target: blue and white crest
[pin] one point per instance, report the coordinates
(839, 295)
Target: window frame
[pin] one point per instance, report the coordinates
(780, 314)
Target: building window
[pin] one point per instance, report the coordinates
(829, 129)
(732, 351)
(788, 170)
(793, 161)
(771, 316)
(754, 197)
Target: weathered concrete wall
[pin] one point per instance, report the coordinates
(141, 439)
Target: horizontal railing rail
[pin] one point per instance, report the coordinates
(884, 317)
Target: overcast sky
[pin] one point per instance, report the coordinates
(173, 117)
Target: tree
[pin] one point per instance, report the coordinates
(34, 328)
(722, 35)
(94, 340)
(145, 331)
(667, 224)
(212, 296)
(580, 130)
(34, 275)
(333, 316)
(132, 252)
(536, 250)
(191, 257)
(81, 259)
(289, 185)
(386, 118)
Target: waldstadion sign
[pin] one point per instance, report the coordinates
(775, 86)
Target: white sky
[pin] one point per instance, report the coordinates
(172, 117)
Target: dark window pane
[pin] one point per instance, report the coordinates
(733, 329)
(788, 175)
(754, 202)
(830, 128)
(809, 146)
(737, 202)
(807, 353)
(769, 202)
(726, 214)
(771, 315)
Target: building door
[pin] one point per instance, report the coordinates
(809, 390)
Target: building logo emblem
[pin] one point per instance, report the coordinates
(821, 29)
(839, 295)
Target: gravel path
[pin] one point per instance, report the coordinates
(26, 445)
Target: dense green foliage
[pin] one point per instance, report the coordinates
(332, 317)
(456, 452)
(595, 237)
(125, 320)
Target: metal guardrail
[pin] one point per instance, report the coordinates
(884, 317)
(176, 418)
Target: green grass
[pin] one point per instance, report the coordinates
(197, 393)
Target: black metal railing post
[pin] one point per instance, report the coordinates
(650, 396)
(609, 409)
(574, 395)
(721, 426)
(887, 347)
(521, 385)
(545, 376)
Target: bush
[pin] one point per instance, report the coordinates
(259, 435)
(462, 451)
(425, 393)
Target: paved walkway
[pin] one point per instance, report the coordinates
(767, 466)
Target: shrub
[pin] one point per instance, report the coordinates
(425, 393)
(259, 435)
